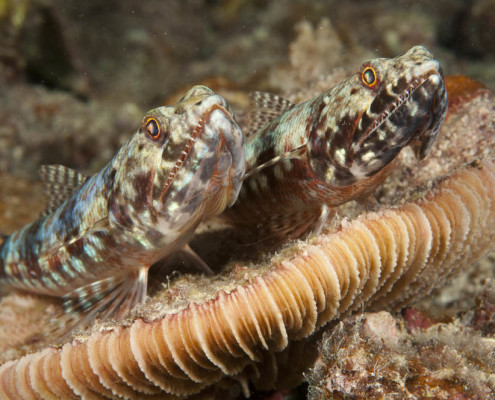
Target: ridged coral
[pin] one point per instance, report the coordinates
(368, 263)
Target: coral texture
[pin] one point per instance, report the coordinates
(369, 262)
(373, 356)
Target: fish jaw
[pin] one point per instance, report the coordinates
(192, 173)
(371, 125)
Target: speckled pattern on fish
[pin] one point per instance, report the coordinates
(305, 159)
(94, 249)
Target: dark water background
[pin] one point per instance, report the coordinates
(76, 76)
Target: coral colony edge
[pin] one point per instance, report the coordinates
(198, 335)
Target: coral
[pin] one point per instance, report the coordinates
(228, 330)
(461, 89)
(309, 61)
(376, 356)
(24, 319)
(38, 126)
(370, 261)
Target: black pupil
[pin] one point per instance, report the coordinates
(369, 76)
(152, 128)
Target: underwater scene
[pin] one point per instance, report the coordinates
(229, 199)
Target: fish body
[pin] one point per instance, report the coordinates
(305, 159)
(183, 164)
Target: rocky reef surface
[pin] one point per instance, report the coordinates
(76, 78)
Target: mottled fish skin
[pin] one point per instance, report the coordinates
(184, 163)
(338, 146)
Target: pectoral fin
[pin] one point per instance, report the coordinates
(196, 260)
(281, 228)
(112, 297)
(298, 153)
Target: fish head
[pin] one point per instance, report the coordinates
(184, 164)
(366, 120)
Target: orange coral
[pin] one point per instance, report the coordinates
(461, 88)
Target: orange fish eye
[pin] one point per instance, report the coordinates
(369, 77)
(152, 128)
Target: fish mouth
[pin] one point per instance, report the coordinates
(225, 181)
(413, 119)
(425, 135)
(401, 100)
(214, 161)
(184, 155)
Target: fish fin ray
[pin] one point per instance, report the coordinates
(297, 153)
(112, 297)
(283, 228)
(196, 260)
(60, 183)
(264, 107)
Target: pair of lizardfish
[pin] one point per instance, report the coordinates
(95, 244)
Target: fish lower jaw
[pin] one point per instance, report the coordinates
(433, 77)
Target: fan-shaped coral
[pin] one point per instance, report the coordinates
(369, 262)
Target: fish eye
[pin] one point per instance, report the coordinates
(152, 127)
(368, 77)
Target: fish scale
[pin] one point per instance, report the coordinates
(303, 160)
(100, 234)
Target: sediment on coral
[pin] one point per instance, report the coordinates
(377, 356)
(379, 260)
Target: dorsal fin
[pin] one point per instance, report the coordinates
(60, 183)
(263, 108)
